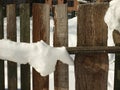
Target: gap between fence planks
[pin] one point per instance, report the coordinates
(41, 26)
(11, 34)
(61, 79)
(25, 37)
(2, 85)
(91, 70)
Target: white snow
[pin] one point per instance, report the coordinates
(40, 56)
(82, 1)
(72, 32)
(112, 17)
(112, 20)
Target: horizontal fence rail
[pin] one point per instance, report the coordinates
(91, 70)
(94, 49)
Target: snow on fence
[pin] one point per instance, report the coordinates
(91, 60)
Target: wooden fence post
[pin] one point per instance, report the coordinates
(60, 1)
(11, 34)
(48, 2)
(91, 70)
(1, 61)
(41, 26)
(116, 36)
(61, 39)
(25, 37)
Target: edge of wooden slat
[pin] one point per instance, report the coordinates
(2, 76)
(41, 26)
(11, 34)
(61, 78)
(25, 37)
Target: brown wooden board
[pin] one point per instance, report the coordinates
(61, 39)
(49, 2)
(41, 26)
(116, 36)
(11, 34)
(93, 49)
(2, 85)
(60, 2)
(91, 70)
(25, 37)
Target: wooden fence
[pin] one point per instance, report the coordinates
(91, 60)
(72, 4)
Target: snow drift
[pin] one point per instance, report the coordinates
(40, 56)
(112, 17)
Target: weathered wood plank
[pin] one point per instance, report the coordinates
(1, 23)
(1, 61)
(116, 36)
(11, 21)
(41, 26)
(61, 39)
(91, 70)
(11, 34)
(50, 2)
(25, 37)
(60, 2)
(93, 49)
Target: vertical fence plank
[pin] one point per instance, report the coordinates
(61, 39)
(11, 34)
(60, 1)
(48, 2)
(1, 22)
(116, 36)
(1, 61)
(91, 70)
(25, 37)
(41, 26)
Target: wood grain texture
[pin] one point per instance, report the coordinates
(91, 70)
(93, 49)
(25, 37)
(41, 26)
(61, 39)
(116, 36)
(11, 34)
(1, 61)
